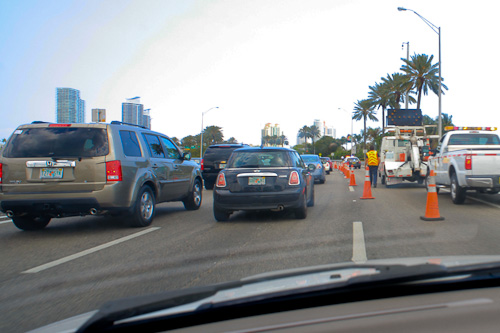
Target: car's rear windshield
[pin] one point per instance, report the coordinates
(474, 139)
(58, 142)
(311, 158)
(258, 159)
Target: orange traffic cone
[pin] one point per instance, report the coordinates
(367, 190)
(335, 165)
(432, 209)
(353, 179)
(346, 172)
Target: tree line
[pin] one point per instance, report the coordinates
(418, 76)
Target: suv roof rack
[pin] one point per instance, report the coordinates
(116, 122)
(39, 122)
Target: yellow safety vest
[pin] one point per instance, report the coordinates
(372, 157)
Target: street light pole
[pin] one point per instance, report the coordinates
(438, 31)
(407, 58)
(201, 140)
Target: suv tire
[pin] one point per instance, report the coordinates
(193, 201)
(144, 208)
(30, 223)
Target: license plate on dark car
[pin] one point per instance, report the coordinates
(256, 180)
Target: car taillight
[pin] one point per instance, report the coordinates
(294, 178)
(221, 180)
(319, 166)
(468, 162)
(202, 166)
(114, 171)
(1, 175)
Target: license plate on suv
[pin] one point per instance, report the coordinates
(51, 173)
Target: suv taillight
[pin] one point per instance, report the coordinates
(202, 166)
(294, 178)
(114, 171)
(221, 180)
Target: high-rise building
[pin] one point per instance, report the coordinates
(146, 118)
(69, 107)
(98, 115)
(133, 111)
(271, 135)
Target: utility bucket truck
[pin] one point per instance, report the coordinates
(404, 155)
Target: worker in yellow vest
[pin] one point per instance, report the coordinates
(372, 159)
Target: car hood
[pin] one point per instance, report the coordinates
(276, 281)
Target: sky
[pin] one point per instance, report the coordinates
(285, 62)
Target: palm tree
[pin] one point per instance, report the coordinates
(362, 110)
(213, 135)
(398, 85)
(380, 96)
(304, 133)
(423, 75)
(314, 133)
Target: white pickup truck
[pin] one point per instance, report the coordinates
(467, 158)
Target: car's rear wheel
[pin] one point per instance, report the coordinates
(30, 222)
(193, 201)
(301, 212)
(221, 215)
(144, 208)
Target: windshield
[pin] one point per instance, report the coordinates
(149, 147)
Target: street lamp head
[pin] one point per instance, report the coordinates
(401, 9)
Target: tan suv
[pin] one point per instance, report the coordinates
(52, 170)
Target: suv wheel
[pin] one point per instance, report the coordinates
(193, 200)
(144, 208)
(30, 222)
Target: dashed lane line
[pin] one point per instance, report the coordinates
(89, 251)
(358, 243)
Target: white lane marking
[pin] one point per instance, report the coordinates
(5, 220)
(484, 201)
(358, 243)
(89, 251)
(351, 188)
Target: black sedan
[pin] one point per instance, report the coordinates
(264, 179)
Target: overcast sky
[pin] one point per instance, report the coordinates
(260, 61)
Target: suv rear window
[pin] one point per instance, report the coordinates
(58, 142)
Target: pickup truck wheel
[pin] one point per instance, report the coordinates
(193, 200)
(144, 208)
(31, 223)
(457, 193)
